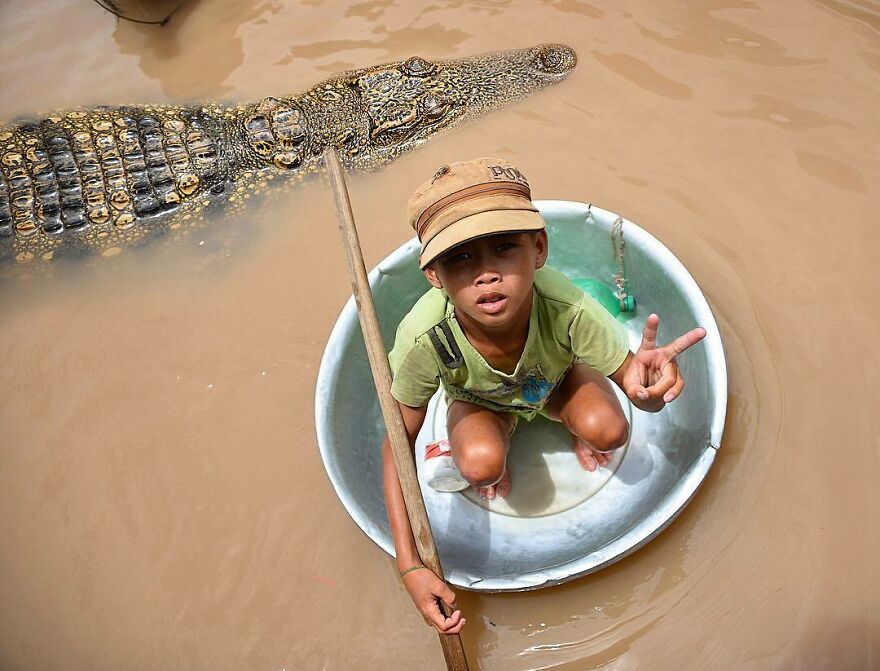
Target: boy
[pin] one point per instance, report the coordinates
(507, 339)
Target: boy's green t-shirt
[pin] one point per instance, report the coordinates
(565, 325)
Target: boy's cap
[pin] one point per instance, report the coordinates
(467, 200)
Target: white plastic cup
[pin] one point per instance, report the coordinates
(440, 471)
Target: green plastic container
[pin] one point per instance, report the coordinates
(605, 296)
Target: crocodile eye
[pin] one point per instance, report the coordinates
(418, 67)
(432, 106)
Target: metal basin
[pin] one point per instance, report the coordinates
(523, 546)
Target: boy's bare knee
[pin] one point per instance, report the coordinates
(480, 464)
(616, 434)
(604, 431)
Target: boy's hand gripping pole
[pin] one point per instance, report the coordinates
(397, 437)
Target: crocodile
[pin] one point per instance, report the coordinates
(95, 181)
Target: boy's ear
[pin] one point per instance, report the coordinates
(431, 275)
(543, 247)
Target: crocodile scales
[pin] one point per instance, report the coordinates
(95, 181)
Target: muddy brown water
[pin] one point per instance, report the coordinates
(164, 505)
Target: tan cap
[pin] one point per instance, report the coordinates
(468, 200)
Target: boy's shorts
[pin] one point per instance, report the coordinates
(526, 415)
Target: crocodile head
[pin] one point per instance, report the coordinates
(408, 102)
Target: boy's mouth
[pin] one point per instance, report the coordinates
(491, 302)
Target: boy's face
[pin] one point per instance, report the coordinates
(490, 279)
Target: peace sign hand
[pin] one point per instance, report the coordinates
(652, 378)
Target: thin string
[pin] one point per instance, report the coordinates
(108, 5)
(617, 244)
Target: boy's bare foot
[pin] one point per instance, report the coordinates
(500, 488)
(590, 459)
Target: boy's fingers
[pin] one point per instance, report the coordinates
(668, 377)
(659, 390)
(447, 595)
(448, 623)
(452, 621)
(457, 628)
(692, 337)
(638, 391)
(452, 628)
(438, 620)
(675, 392)
(633, 381)
(649, 333)
(453, 624)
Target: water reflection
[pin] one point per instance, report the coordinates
(488, 7)
(832, 171)
(643, 75)
(784, 114)
(195, 52)
(606, 611)
(575, 7)
(370, 10)
(695, 27)
(389, 43)
(863, 13)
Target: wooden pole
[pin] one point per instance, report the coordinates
(400, 447)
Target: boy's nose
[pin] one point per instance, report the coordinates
(488, 277)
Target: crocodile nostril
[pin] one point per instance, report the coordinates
(555, 59)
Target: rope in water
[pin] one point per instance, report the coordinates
(113, 9)
(620, 276)
(617, 244)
